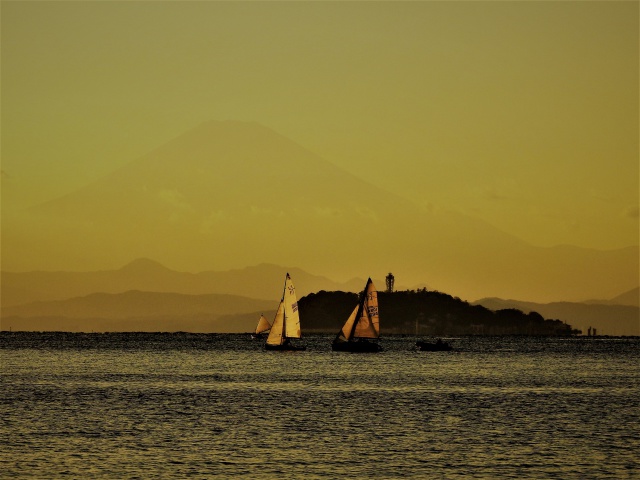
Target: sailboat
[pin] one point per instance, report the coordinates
(362, 326)
(262, 327)
(286, 324)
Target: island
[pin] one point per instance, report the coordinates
(426, 312)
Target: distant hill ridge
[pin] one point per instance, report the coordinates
(140, 303)
(162, 291)
(632, 297)
(140, 311)
(148, 294)
(262, 281)
(146, 265)
(608, 319)
(404, 312)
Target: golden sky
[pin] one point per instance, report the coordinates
(522, 114)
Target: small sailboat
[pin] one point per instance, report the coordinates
(362, 327)
(262, 327)
(424, 346)
(286, 324)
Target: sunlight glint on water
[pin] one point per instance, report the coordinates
(215, 405)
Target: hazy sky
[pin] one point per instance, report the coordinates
(524, 114)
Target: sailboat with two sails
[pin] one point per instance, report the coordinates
(362, 329)
(286, 324)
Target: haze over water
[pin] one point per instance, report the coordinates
(487, 149)
(171, 405)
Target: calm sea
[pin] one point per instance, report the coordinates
(177, 405)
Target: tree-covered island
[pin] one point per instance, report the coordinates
(425, 312)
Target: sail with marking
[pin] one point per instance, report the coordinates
(286, 324)
(263, 325)
(362, 325)
(291, 315)
(368, 323)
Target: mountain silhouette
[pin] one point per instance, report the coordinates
(632, 298)
(137, 303)
(140, 311)
(227, 195)
(263, 282)
(608, 318)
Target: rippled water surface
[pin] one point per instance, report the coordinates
(173, 405)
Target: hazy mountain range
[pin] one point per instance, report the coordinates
(140, 311)
(617, 316)
(227, 195)
(263, 281)
(146, 296)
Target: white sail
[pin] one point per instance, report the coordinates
(291, 315)
(276, 335)
(287, 321)
(263, 325)
(368, 323)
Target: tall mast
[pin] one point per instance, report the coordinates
(284, 315)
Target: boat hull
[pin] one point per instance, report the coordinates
(433, 347)
(356, 347)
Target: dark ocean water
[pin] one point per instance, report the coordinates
(177, 405)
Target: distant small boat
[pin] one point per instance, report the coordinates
(362, 326)
(262, 328)
(437, 346)
(286, 324)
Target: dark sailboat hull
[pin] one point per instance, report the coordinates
(356, 347)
